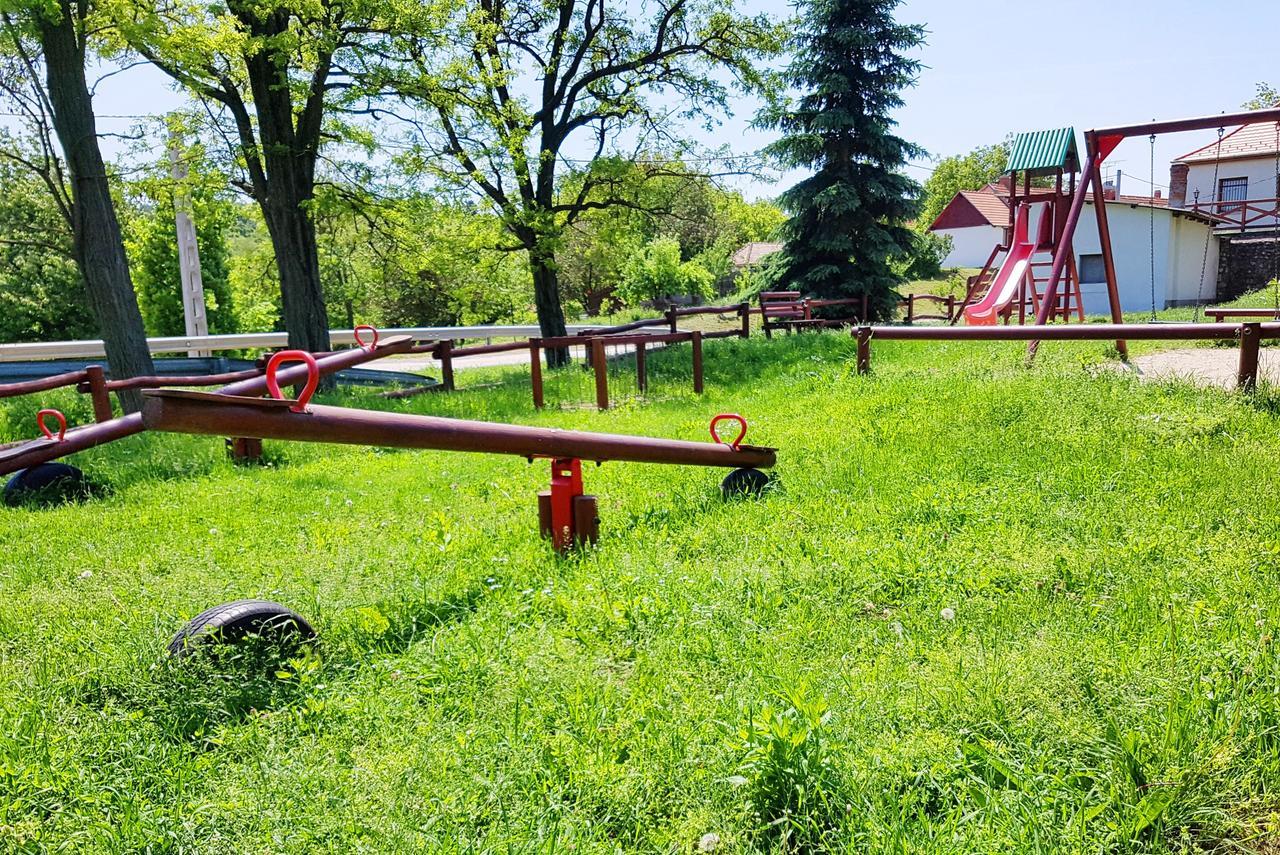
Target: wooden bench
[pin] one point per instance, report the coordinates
(1219, 315)
(782, 310)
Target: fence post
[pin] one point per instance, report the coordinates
(911, 308)
(535, 370)
(671, 318)
(697, 361)
(745, 311)
(642, 375)
(601, 367)
(1250, 338)
(444, 353)
(951, 306)
(864, 349)
(99, 394)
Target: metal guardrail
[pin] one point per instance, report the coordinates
(90, 349)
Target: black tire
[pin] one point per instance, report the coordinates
(744, 482)
(234, 621)
(45, 483)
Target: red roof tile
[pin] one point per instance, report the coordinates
(1257, 140)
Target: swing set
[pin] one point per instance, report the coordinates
(1099, 144)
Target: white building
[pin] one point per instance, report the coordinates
(1183, 242)
(1235, 178)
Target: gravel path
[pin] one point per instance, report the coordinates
(1205, 366)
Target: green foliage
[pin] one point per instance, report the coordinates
(848, 220)
(709, 223)
(788, 772)
(415, 261)
(656, 272)
(971, 171)
(42, 296)
(601, 79)
(1106, 677)
(1266, 96)
(928, 251)
(152, 242)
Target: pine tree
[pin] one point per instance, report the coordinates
(848, 220)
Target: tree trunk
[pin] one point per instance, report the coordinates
(546, 296)
(293, 241)
(99, 246)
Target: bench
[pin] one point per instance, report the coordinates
(782, 310)
(1219, 315)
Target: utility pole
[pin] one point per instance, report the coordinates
(193, 312)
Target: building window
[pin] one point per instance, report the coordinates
(1092, 269)
(1232, 190)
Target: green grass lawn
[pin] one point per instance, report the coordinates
(985, 609)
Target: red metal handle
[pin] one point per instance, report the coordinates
(372, 345)
(62, 425)
(730, 417)
(313, 376)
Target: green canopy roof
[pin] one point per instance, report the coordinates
(1044, 152)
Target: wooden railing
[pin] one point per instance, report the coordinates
(1242, 214)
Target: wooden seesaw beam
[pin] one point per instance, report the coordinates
(567, 516)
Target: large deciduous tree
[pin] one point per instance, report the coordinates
(848, 219)
(533, 86)
(271, 73)
(47, 46)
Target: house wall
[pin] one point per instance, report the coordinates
(1261, 173)
(1195, 266)
(1179, 248)
(972, 246)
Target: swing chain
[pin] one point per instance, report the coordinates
(1204, 260)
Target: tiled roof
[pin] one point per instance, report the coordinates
(753, 252)
(1257, 140)
(988, 206)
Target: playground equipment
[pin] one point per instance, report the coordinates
(567, 515)
(1035, 155)
(25, 460)
(1099, 144)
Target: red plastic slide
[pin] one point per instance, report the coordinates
(1009, 277)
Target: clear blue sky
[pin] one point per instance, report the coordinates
(995, 68)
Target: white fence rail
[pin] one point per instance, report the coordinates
(254, 341)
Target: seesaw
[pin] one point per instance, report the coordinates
(567, 516)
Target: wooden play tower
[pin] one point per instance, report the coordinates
(1041, 179)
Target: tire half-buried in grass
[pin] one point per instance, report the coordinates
(46, 484)
(744, 482)
(240, 620)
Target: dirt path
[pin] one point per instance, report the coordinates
(1205, 366)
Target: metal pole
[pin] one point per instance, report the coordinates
(1247, 373)
(1108, 258)
(192, 284)
(1064, 246)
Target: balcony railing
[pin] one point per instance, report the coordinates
(1241, 214)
